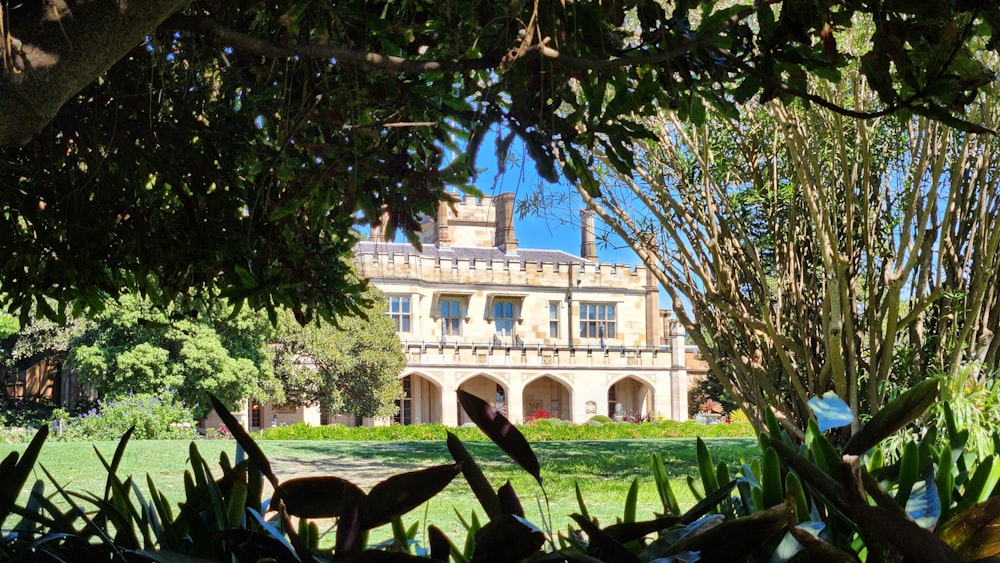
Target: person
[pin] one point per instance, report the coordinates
(274, 420)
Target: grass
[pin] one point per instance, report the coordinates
(604, 471)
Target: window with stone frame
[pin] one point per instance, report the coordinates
(450, 311)
(554, 319)
(399, 312)
(598, 320)
(504, 316)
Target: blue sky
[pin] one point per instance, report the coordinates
(521, 179)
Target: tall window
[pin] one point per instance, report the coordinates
(399, 312)
(405, 413)
(450, 311)
(255, 409)
(553, 319)
(597, 320)
(504, 317)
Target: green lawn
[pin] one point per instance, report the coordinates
(603, 469)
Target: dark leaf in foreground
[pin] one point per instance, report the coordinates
(474, 476)
(400, 494)
(897, 414)
(974, 533)
(602, 544)
(245, 441)
(502, 432)
(315, 497)
(734, 539)
(507, 538)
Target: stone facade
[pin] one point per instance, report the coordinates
(529, 330)
(525, 329)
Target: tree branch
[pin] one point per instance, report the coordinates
(62, 55)
(209, 27)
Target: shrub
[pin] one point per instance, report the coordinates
(973, 399)
(598, 428)
(738, 417)
(601, 418)
(804, 501)
(153, 418)
(537, 415)
(25, 414)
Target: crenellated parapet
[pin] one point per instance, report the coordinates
(457, 265)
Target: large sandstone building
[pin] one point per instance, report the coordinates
(534, 331)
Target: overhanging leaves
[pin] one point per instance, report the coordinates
(315, 497)
(498, 429)
(893, 416)
(401, 493)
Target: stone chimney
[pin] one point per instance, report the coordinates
(504, 233)
(588, 248)
(377, 231)
(442, 230)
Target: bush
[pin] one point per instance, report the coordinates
(154, 418)
(804, 501)
(738, 417)
(18, 413)
(543, 429)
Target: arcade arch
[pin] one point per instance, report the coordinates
(548, 394)
(421, 401)
(630, 395)
(487, 388)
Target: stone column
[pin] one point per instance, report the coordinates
(515, 402)
(449, 405)
(678, 373)
(652, 310)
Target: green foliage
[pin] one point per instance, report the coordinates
(808, 501)
(8, 325)
(131, 347)
(318, 113)
(970, 403)
(535, 432)
(37, 340)
(28, 414)
(351, 367)
(150, 416)
(708, 388)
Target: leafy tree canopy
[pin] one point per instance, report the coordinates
(132, 348)
(222, 146)
(352, 367)
(808, 253)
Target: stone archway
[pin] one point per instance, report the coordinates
(421, 402)
(550, 395)
(629, 397)
(491, 390)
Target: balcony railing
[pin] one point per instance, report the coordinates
(519, 354)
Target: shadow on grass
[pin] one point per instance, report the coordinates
(617, 460)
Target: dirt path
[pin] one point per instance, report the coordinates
(365, 473)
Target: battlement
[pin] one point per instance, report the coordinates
(475, 209)
(388, 262)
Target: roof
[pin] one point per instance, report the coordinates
(521, 255)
